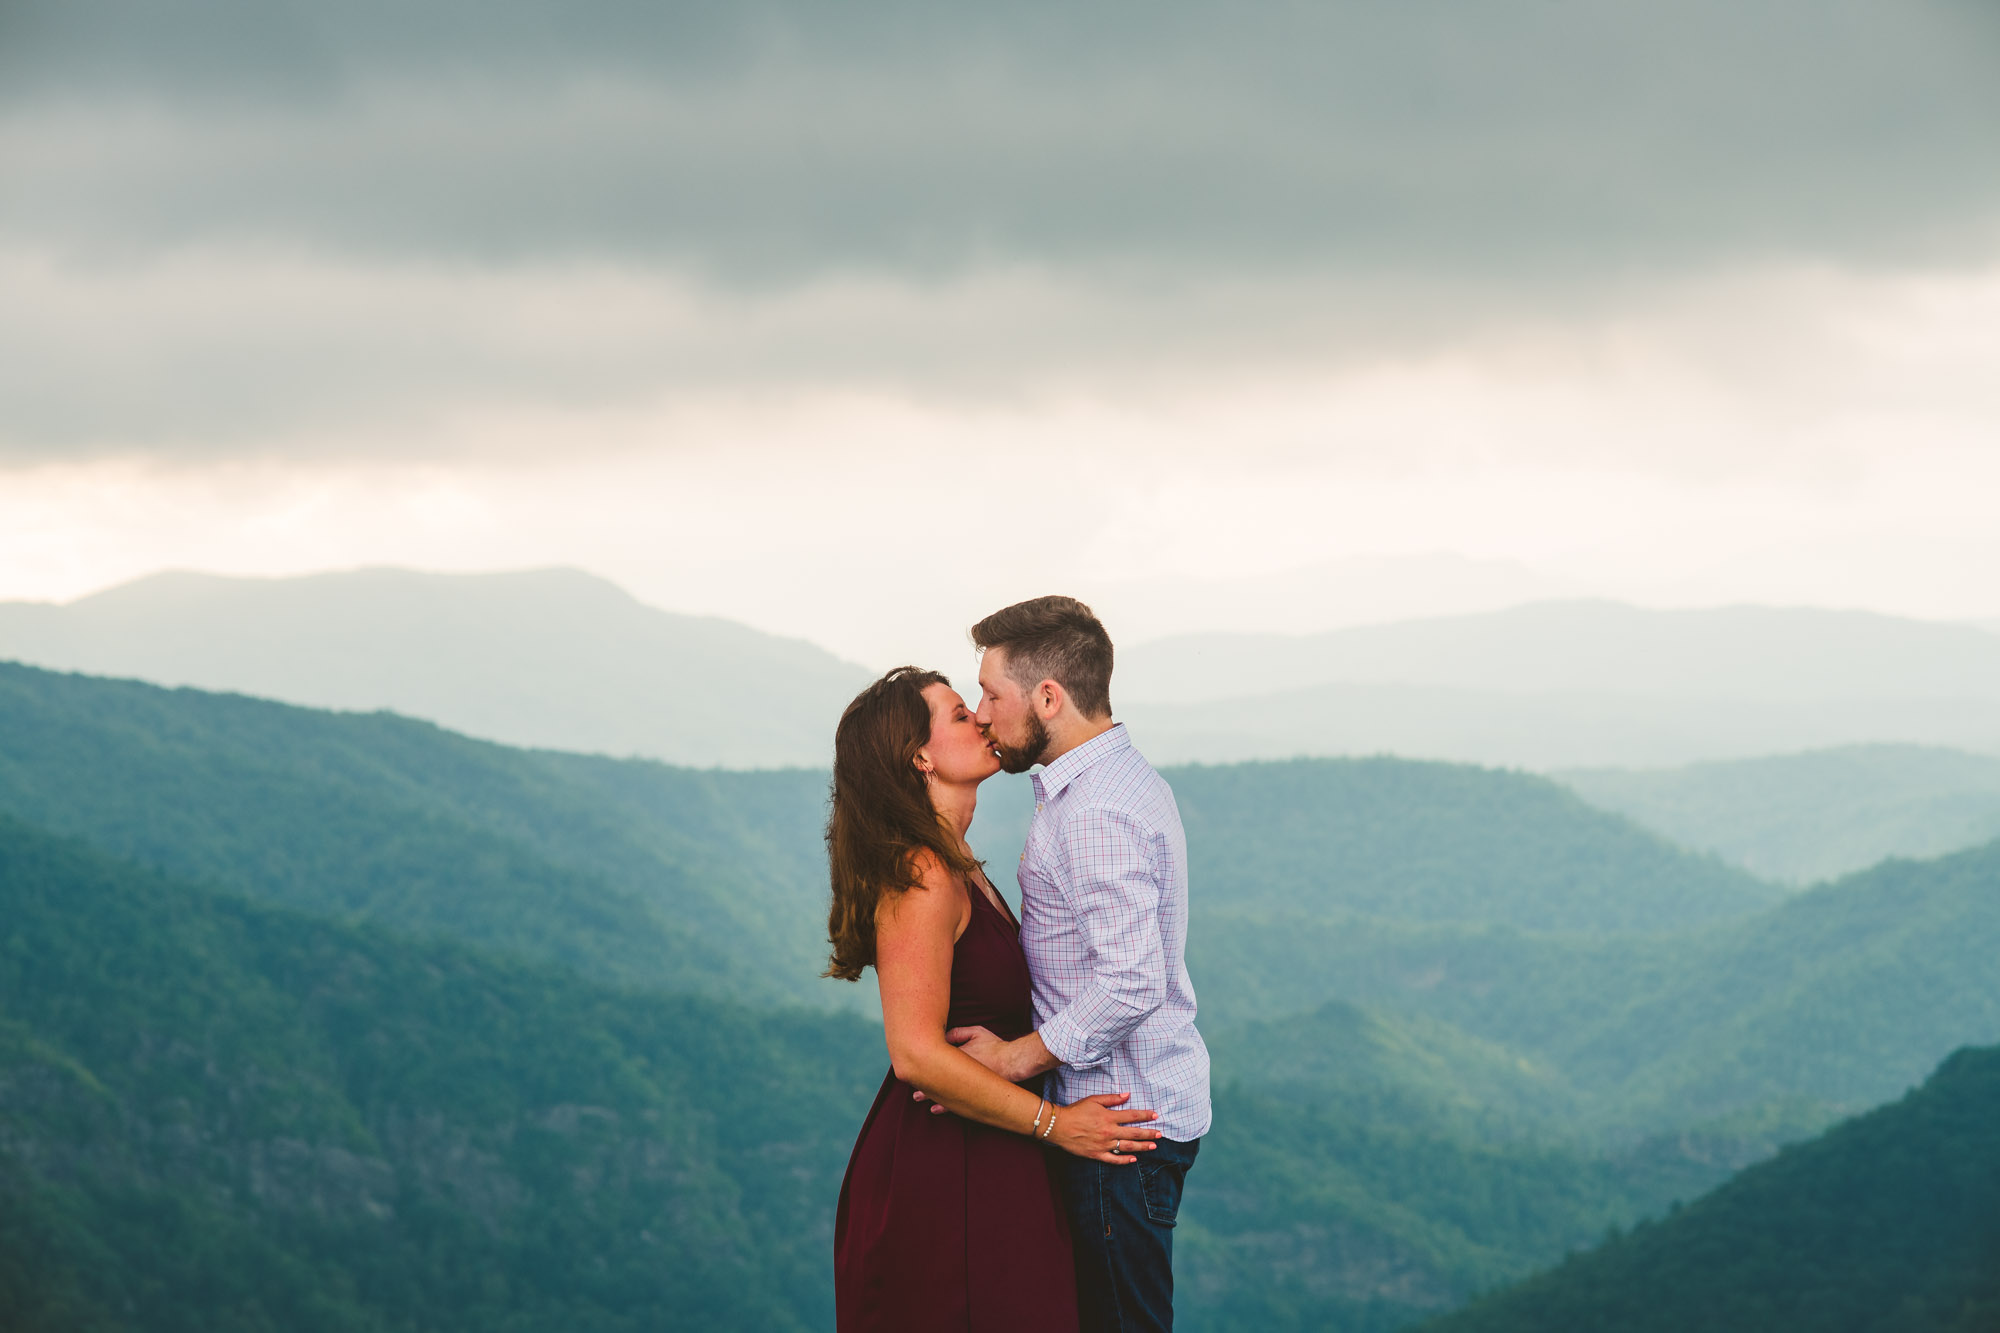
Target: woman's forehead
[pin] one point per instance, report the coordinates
(942, 696)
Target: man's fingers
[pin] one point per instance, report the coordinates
(960, 1036)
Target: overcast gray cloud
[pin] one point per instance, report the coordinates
(760, 141)
(230, 224)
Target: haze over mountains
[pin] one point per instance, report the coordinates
(1598, 692)
(1570, 684)
(562, 659)
(552, 658)
(1803, 817)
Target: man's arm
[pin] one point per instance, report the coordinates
(1107, 873)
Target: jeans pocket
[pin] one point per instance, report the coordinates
(1161, 1186)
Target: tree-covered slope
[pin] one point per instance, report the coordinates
(1311, 1213)
(220, 1116)
(1404, 840)
(1410, 841)
(1396, 1068)
(1889, 1223)
(1840, 997)
(631, 871)
(715, 881)
(1804, 817)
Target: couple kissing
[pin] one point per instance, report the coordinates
(1022, 1164)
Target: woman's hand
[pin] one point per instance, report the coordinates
(1103, 1129)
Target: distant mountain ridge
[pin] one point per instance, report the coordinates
(1813, 816)
(1569, 685)
(1589, 647)
(554, 658)
(563, 660)
(1545, 732)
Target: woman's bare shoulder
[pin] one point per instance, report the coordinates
(934, 891)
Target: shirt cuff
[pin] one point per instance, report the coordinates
(1067, 1044)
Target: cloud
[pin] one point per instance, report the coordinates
(768, 141)
(235, 227)
(207, 356)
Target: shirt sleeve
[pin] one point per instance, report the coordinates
(1107, 873)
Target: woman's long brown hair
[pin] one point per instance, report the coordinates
(882, 814)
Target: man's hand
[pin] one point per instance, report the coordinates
(1015, 1061)
(989, 1050)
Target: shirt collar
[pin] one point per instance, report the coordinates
(1066, 769)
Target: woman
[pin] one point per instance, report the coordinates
(945, 1221)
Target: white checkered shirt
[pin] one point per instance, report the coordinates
(1104, 918)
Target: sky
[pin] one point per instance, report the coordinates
(854, 322)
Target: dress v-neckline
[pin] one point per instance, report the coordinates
(994, 901)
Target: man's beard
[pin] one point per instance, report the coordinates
(1020, 760)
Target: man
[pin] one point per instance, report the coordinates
(1104, 915)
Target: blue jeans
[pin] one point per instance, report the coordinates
(1121, 1221)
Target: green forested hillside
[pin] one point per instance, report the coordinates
(246, 1108)
(1305, 1213)
(713, 881)
(1410, 841)
(1803, 817)
(1403, 1069)
(1404, 840)
(218, 1116)
(1840, 998)
(630, 871)
(1888, 1224)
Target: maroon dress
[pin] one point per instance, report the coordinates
(945, 1224)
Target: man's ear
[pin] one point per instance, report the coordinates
(1049, 698)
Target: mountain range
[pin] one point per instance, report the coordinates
(216, 1114)
(330, 1020)
(1590, 648)
(1829, 1003)
(1798, 818)
(552, 658)
(714, 881)
(1570, 684)
(561, 659)
(1496, 902)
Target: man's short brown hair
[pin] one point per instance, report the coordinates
(1058, 639)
